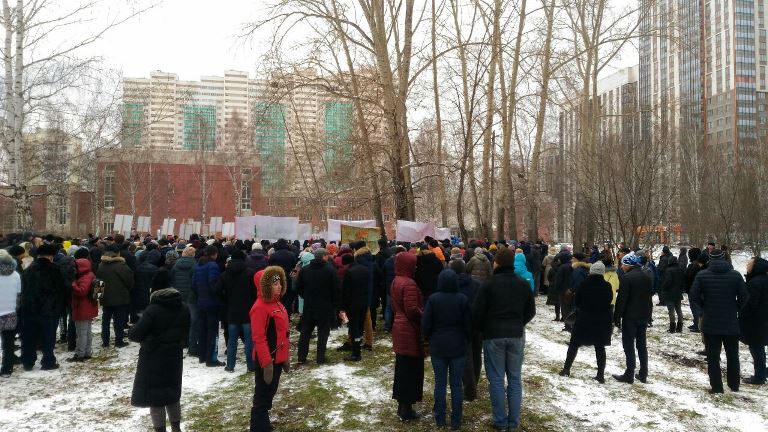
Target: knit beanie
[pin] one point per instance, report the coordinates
(597, 268)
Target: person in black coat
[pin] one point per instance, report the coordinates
(318, 284)
(285, 258)
(447, 325)
(672, 286)
(355, 303)
(163, 332)
(720, 292)
(697, 263)
(562, 282)
(634, 307)
(41, 303)
(593, 323)
(469, 286)
(753, 319)
(428, 267)
(238, 293)
(145, 272)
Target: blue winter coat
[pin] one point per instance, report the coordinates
(447, 319)
(204, 284)
(522, 271)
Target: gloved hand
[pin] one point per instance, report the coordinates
(269, 371)
(287, 366)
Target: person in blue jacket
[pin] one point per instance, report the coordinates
(522, 271)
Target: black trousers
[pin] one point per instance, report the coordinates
(309, 321)
(573, 349)
(472, 365)
(262, 398)
(8, 339)
(712, 345)
(356, 318)
(633, 333)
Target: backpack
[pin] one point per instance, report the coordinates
(97, 289)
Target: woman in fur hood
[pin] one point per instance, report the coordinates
(271, 346)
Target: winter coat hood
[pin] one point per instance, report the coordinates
(481, 256)
(672, 261)
(520, 263)
(83, 266)
(106, 259)
(448, 281)
(153, 257)
(168, 297)
(184, 263)
(265, 284)
(720, 266)
(405, 265)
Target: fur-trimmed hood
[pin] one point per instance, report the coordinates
(265, 285)
(362, 251)
(578, 264)
(109, 259)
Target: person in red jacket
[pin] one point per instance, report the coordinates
(84, 309)
(408, 306)
(269, 331)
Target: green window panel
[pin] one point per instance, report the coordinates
(270, 139)
(133, 123)
(199, 127)
(338, 134)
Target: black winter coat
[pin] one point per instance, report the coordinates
(468, 286)
(355, 287)
(256, 261)
(753, 319)
(163, 332)
(563, 277)
(504, 305)
(673, 281)
(447, 320)
(428, 267)
(389, 272)
(44, 292)
(237, 292)
(143, 277)
(721, 293)
(285, 259)
(118, 281)
(690, 275)
(634, 300)
(319, 285)
(181, 278)
(593, 324)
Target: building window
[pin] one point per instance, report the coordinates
(108, 227)
(109, 187)
(245, 189)
(61, 209)
(386, 218)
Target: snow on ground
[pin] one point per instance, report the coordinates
(95, 396)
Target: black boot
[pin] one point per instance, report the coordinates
(626, 377)
(175, 426)
(671, 327)
(642, 376)
(600, 377)
(160, 429)
(566, 372)
(679, 327)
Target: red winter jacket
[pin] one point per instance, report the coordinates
(407, 305)
(269, 322)
(257, 282)
(84, 307)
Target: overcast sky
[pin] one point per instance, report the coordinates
(199, 37)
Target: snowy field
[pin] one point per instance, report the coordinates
(95, 396)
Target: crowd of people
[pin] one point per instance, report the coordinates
(464, 307)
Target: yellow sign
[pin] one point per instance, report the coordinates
(370, 236)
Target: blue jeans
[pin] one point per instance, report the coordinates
(39, 331)
(193, 349)
(758, 356)
(234, 333)
(443, 366)
(504, 358)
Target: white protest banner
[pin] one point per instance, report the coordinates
(186, 229)
(408, 231)
(303, 232)
(123, 224)
(197, 227)
(228, 229)
(442, 234)
(334, 227)
(169, 226)
(205, 231)
(244, 227)
(143, 223)
(215, 225)
(282, 227)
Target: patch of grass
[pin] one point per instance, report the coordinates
(687, 414)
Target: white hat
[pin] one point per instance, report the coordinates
(256, 246)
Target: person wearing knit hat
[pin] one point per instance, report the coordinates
(593, 322)
(721, 294)
(332, 249)
(257, 246)
(634, 307)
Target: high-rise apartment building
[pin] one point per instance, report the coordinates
(703, 83)
(618, 127)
